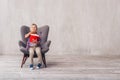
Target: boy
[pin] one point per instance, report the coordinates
(33, 45)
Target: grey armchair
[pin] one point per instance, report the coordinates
(44, 44)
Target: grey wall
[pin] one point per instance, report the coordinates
(76, 26)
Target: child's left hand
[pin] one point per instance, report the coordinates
(35, 41)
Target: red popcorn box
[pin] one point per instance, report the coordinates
(34, 37)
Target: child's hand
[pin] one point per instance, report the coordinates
(28, 34)
(35, 41)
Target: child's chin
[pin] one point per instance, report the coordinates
(33, 32)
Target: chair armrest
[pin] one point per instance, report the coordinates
(24, 50)
(22, 44)
(45, 46)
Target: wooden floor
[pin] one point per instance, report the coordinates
(62, 67)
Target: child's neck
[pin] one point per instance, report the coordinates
(34, 32)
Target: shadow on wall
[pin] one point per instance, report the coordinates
(1, 49)
(1, 45)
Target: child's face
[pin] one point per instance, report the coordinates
(33, 29)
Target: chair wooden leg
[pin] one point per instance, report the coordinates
(44, 60)
(23, 61)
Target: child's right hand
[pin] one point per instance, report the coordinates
(28, 34)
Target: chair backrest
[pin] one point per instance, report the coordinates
(43, 33)
(24, 30)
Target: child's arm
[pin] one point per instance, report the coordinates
(27, 35)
